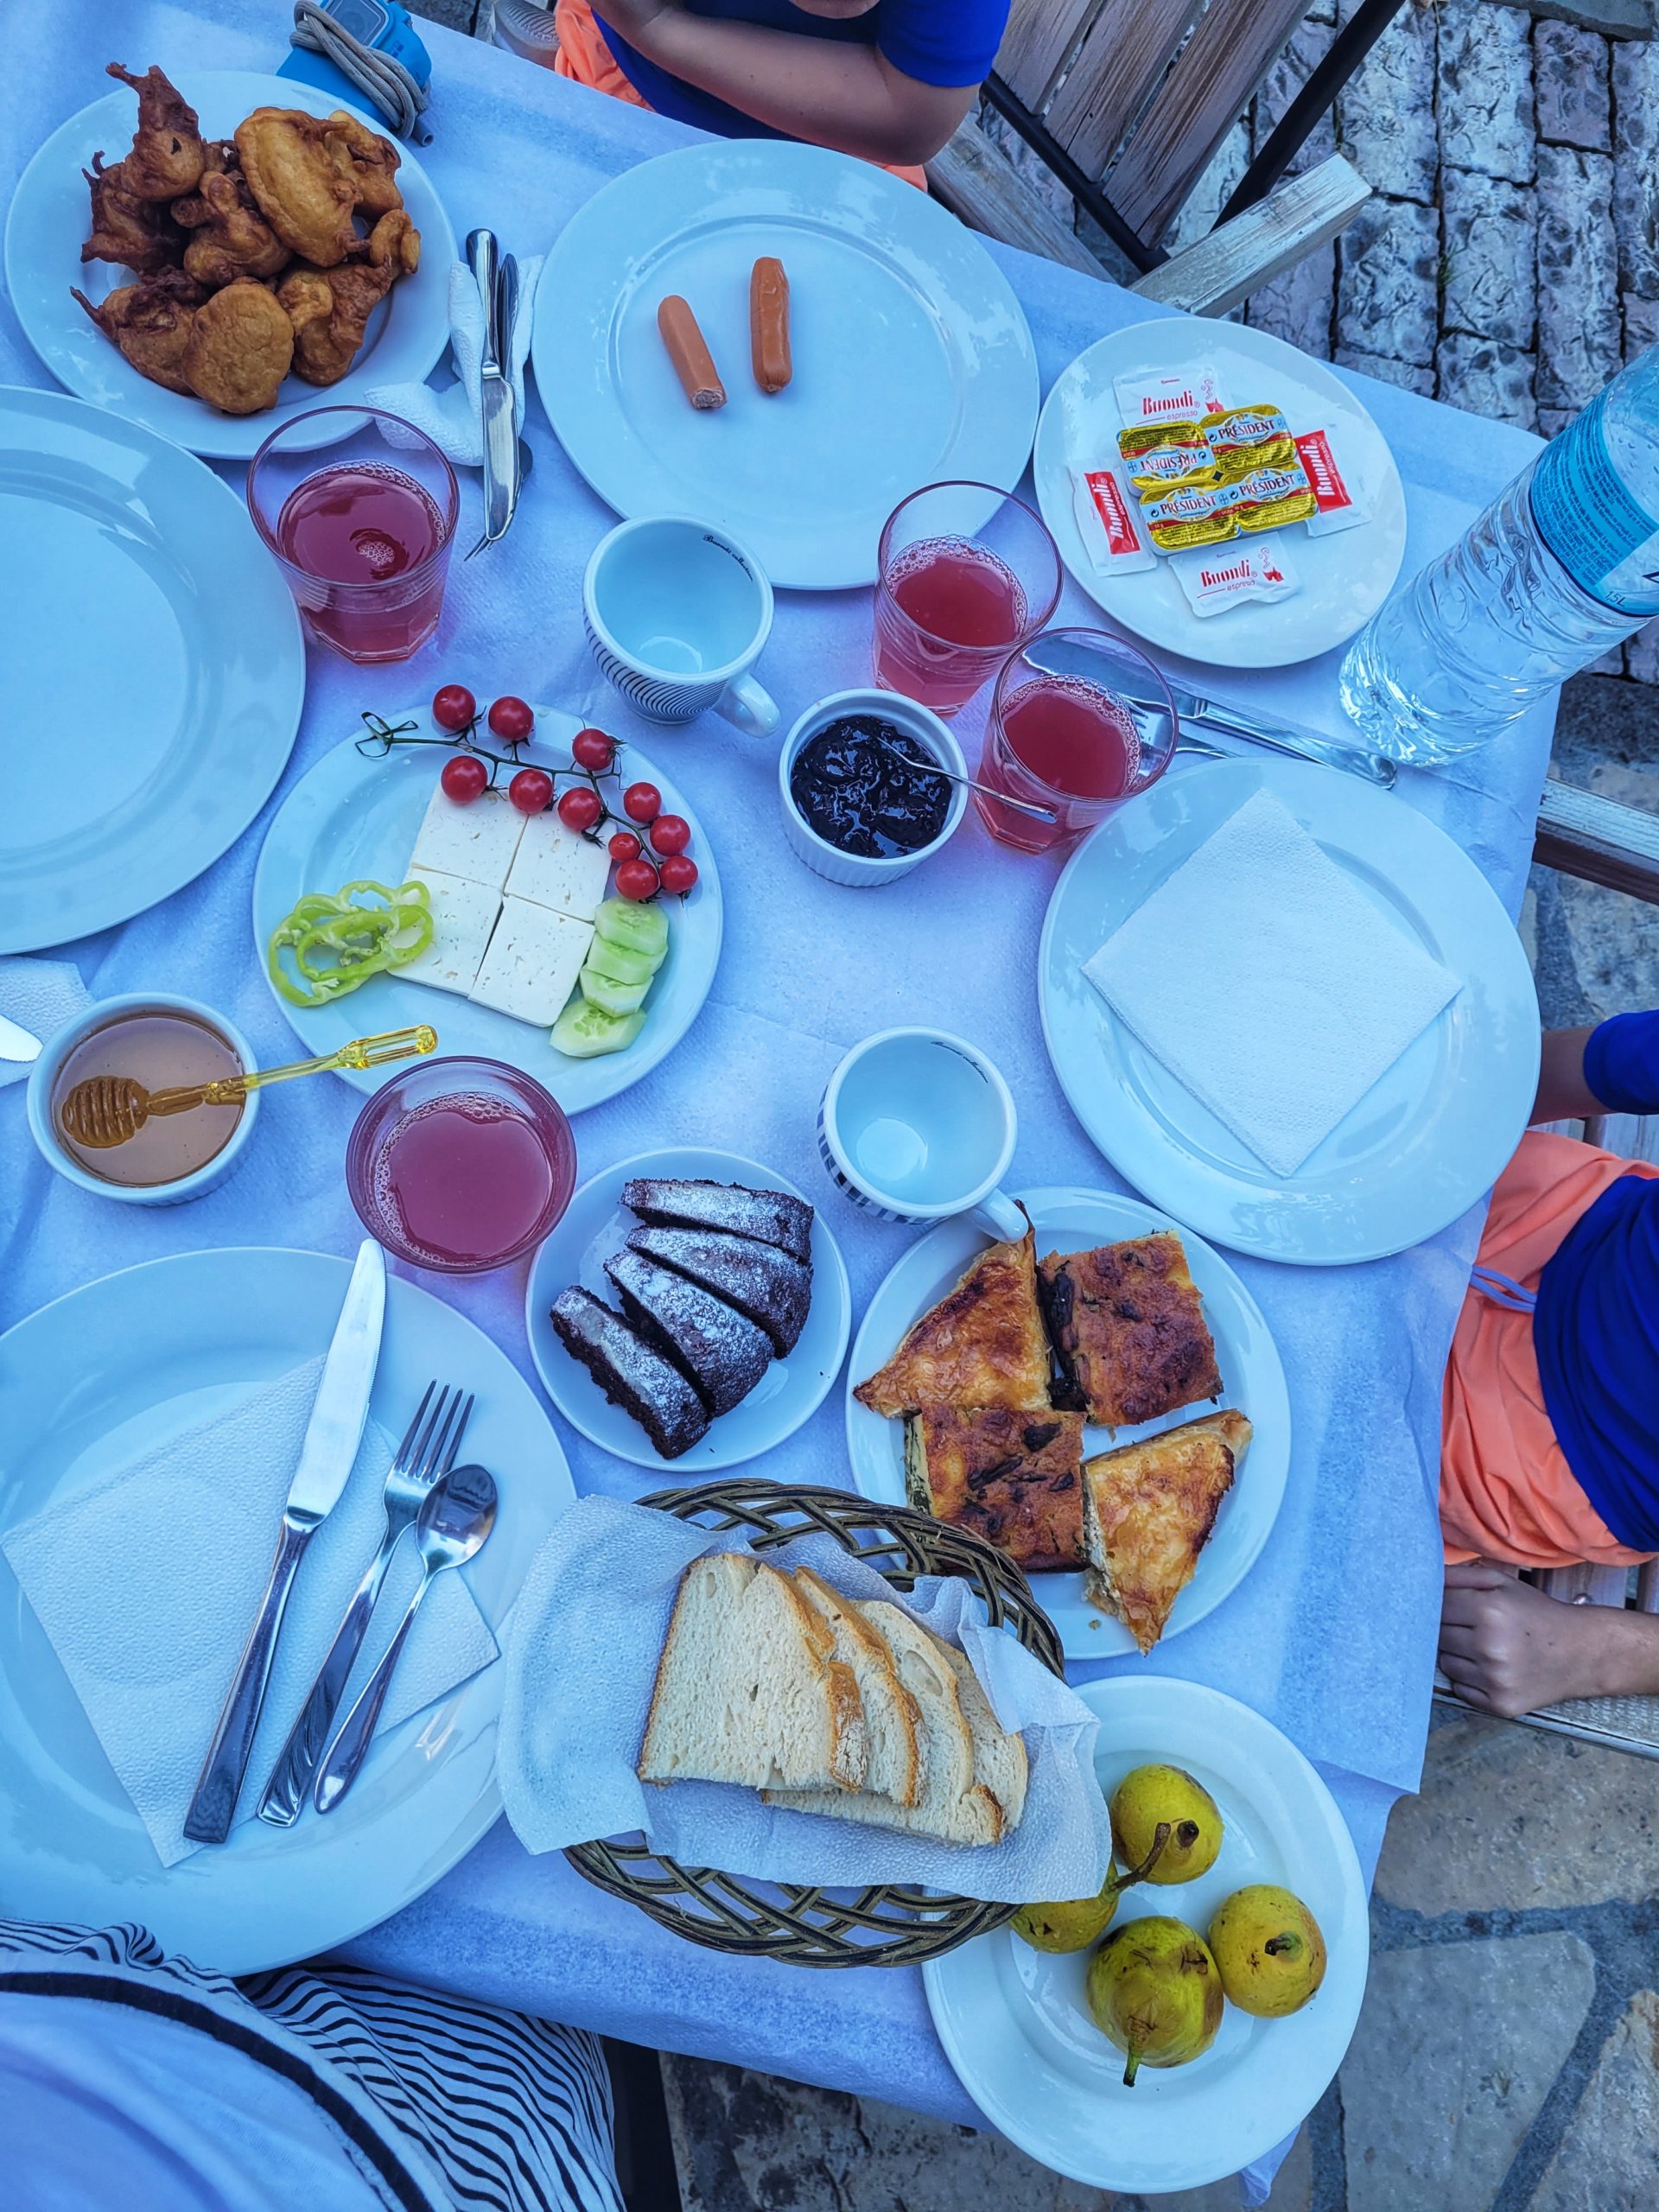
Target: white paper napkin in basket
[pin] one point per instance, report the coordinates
(147, 1583)
(1269, 984)
(582, 1655)
(449, 414)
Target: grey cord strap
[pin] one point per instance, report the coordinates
(386, 83)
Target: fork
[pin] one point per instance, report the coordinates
(427, 1451)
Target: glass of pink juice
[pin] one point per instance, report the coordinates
(359, 509)
(966, 574)
(460, 1164)
(1062, 736)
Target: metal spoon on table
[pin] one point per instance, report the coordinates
(456, 1518)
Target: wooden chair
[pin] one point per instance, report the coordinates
(1126, 102)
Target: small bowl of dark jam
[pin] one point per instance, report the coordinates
(856, 808)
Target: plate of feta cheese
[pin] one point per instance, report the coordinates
(533, 959)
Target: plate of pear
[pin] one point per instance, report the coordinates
(1170, 2031)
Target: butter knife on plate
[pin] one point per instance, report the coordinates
(332, 1437)
(496, 408)
(17, 1044)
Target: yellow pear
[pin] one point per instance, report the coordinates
(1154, 1990)
(1268, 1951)
(1075, 1925)
(1152, 1795)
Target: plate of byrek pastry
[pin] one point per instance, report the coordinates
(211, 252)
(1100, 1398)
(692, 1309)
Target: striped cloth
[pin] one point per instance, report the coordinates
(427, 2103)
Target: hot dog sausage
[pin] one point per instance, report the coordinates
(694, 363)
(769, 324)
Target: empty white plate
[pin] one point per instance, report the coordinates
(1076, 1221)
(596, 1225)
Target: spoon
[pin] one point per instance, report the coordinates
(457, 1516)
(932, 768)
(107, 1109)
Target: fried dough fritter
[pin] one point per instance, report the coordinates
(1014, 1479)
(330, 309)
(150, 323)
(167, 149)
(370, 160)
(1148, 1510)
(240, 347)
(232, 237)
(982, 1345)
(133, 232)
(1127, 1322)
(296, 184)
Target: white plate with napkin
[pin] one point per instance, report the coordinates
(137, 1513)
(1290, 1010)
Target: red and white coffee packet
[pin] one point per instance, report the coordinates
(1148, 397)
(1338, 508)
(1217, 577)
(1108, 514)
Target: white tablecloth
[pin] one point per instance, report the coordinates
(1332, 1634)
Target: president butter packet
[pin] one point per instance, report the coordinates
(1106, 513)
(1234, 575)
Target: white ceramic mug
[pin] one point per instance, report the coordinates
(917, 1125)
(677, 614)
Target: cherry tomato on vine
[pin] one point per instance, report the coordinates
(625, 846)
(511, 720)
(671, 833)
(591, 748)
(580, 808)
(678, 873)
(636, 879)
(454, 707)
(532, 790)
(642, 802)
(464, 778)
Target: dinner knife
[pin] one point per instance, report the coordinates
(17, 1043)
(500, 434)
(331, 1436)
(1222, 720)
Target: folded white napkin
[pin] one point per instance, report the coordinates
(450, 416)
(582, 1655)
(147, 1581)
(1269, 984)
(43, 995)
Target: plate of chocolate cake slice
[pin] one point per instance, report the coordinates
(690, 1307)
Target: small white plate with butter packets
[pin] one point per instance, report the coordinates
(356, 816)
(595, 1227)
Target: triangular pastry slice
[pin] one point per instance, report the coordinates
(1147, 1512)
(983, 1345)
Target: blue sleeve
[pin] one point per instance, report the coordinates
(1621, 1063)
(945, 42)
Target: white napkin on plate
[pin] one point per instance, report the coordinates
(1267, 983)
(43, 995)
(147, 1581)
(450, 418)
(582, 1656)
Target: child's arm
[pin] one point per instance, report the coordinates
(845, 95)
(1564, 1093)
(1611, 1068)
(1509, 1649)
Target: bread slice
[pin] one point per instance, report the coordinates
(954, 1803)
(1000, 1766)
(892, 1719)
(982, 1345)
(1148, 1511)
(748, 1689)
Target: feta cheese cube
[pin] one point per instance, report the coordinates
(463, 915)
(531, 966)
(476, 841)
(553, 867)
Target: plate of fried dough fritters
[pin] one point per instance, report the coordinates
(211, 252)
(1101, 1399)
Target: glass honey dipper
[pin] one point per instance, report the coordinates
(107, 1109)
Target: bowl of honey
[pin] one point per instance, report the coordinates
(158, 1039)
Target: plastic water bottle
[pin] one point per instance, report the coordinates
(1563, 564)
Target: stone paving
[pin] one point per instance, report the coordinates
(1507, 2059)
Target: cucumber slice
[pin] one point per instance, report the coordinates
(584, 1031)
(607, 995)
(618, 963)
(639, 928)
